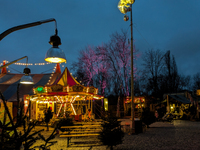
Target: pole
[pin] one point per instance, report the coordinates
(132, 78)
(5, 33)
(15, 62)
(18, 104)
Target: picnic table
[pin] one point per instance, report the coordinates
(80, 131)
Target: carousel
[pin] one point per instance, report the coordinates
(66, 96)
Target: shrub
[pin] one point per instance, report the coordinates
(148, 117)
(111, 134)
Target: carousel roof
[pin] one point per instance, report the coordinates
(66, 85)
(66, 79)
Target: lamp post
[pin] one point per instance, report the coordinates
(124, 6)
(26, 79)
(54, 54)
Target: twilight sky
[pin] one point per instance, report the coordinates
(159, 24)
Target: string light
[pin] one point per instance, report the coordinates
(51, 76)
(29, 64)
(73, 109)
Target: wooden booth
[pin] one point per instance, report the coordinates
(140, 102)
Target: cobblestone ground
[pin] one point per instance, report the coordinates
(178, 135)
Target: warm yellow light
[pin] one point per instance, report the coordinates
(73, 109)
(122, 9)
(59, 110)
(55, 59)
(124, 4)
(23, 82)
(130, 1)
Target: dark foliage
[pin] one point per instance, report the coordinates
(148, 117)
(111, 134)
(12, 139)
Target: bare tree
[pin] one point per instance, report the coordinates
(196, 82)
(153, 65)
(170, 72)
(107, 66)
(118, 57)
(185, 83)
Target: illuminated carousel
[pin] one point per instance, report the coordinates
(65, 95)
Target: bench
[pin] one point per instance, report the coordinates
(81, 126)
(80, 131)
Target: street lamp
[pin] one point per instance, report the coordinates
(54, 54)
(124, 6)
(26, 79)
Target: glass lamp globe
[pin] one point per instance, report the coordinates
(26, 79)
(55, 55)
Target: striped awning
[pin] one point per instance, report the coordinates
(9, 83)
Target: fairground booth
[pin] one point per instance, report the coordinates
(66, 96)
(140, 102)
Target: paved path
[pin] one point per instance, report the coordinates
(179, 135)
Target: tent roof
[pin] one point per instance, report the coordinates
(9, 83)
(66, 79)
(180, 98)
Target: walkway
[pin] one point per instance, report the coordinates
(179, 135)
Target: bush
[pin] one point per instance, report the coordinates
(148, 117)
(12, 139)
(111, 134)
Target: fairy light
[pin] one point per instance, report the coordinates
(51, 76)
(71, 99)
(73, 109)
(59, 110)
(75, 99)
(29, 64)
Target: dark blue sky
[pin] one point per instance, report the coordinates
(159, 24)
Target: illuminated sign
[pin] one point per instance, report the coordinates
(39, 89)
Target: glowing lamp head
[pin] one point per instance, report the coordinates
(26, 79)
(55, 54)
